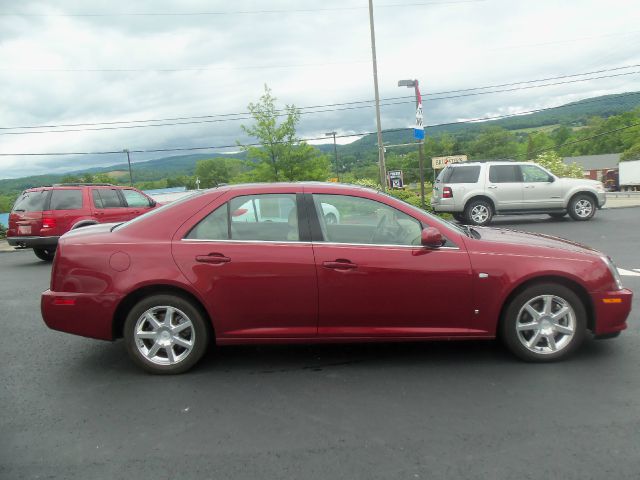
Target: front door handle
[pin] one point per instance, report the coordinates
(492, 186)
(340, 264)
(213, 258)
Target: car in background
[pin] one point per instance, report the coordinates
(194, 273)
(40, 216)
(475, 192)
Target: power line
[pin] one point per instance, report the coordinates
(354, 107)
(359, 102)
(362, 134)
(235, 12)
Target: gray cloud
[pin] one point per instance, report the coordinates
(306, 58)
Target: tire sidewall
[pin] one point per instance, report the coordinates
(509, 334)
(470, 207)
(195, 315)
(572, 207)
(45, 254)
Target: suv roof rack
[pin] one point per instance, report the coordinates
(80, 184)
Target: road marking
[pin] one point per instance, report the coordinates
(628, 273)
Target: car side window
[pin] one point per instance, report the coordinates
(504, 174)
(531, 173)
(267, 217)
(135, 199)
(364, 221)
(106, 198)
(66, 199)
(214, 226)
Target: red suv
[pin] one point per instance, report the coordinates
(42, 215)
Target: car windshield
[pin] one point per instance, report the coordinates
(155, 211)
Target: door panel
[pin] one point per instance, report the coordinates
(505, 185)
(393, 291)
(108, 206)
(538, 190)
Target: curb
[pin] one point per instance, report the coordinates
(5, 248)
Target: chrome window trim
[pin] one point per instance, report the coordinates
(191, 240)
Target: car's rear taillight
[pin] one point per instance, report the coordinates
(48, 222)
(447, 193)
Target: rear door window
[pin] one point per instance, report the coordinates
(504, 174)
(135, 199)
(268, 217)
(106, 198)
(31, 201)
(66, 199)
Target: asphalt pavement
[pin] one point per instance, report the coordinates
(75, 408)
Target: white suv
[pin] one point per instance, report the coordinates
(475, 192)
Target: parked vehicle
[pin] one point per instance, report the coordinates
(629, 176)
(188, 274)
(41, 215)
(475, 192)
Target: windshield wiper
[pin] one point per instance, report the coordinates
(18, 210)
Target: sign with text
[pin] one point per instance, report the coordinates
(440, 162)
(395, 179)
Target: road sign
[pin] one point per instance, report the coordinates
(395, 178)
(418, 130)
(440, 162)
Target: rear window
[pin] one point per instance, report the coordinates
(66, 200)
(31, 201)
(466, 174)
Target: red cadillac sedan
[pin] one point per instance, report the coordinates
(262, 264)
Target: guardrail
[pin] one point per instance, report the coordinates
(623, 194)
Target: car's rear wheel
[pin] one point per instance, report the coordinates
(582, 207)
(166, 334)
(459, 217)
(545, 322)
(46, 254)
(478, 212)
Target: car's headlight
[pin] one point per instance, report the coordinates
(614, 271)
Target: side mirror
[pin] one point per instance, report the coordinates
(552, 179)
(431, 238)
(152, 203)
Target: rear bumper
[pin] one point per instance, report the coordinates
(33, 242)
(445, 205)
(611, 311)
(88, 315)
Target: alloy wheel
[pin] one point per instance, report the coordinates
(164, 335)
(546, 324)
(480, 214)
(583, 208)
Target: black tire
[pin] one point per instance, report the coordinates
(558, 215)
(46, 254)
(330, 219)
(515, 315)
(459, 217)
(197, 334)
(582, 207)
(478, 212)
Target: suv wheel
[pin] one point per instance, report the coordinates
(45, 254)
(478, 212)
(459, 217)
(582, 207)
(545, 322)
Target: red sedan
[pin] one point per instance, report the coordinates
(261, 264)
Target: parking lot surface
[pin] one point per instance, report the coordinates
(77, 408)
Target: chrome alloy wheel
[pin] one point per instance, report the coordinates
(480, 214)
(546, 324)
(164, 335)
(583, 208)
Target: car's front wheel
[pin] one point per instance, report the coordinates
(582, 207)
(478, 212)
(46, 254)
(543, 323)
(165, 334)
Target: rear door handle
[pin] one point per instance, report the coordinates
(340, 264)
(214, 258)
(529, 186)
(492, 186)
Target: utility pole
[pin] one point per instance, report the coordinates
(335, 152)
(381, 164)
(415, 85)
(129, 162)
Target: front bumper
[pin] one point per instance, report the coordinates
(88, 315)
(33, 242)
(611, 311)
(602, 199)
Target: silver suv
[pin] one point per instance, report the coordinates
(475, 192)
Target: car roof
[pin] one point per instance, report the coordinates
(493, 162)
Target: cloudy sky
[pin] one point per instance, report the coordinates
(76, 62)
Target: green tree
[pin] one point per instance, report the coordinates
(282, 156)
(494, 143)
(631, 153)
(213, 172)
(553, 162)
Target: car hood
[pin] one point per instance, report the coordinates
(516, 237)
(580, 181)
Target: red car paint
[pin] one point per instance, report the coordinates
(312, 290)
